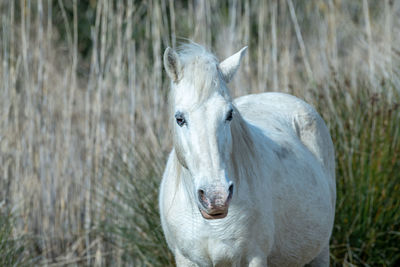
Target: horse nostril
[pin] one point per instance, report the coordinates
(202, 197)
(201, 193)
(230, 191)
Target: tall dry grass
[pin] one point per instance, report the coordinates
(83, 129)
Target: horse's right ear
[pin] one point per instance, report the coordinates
(230, 65)
(172, 64)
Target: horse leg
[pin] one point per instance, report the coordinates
(322, 260)
(181, 261)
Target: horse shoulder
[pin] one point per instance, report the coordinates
(176, 210)
(167, 197)
(166, 182)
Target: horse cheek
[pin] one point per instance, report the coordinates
(180, 155)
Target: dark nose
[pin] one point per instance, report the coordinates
(215, 200)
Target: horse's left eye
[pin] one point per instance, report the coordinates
(229, 117)
(180, 119)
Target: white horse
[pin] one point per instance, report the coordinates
(250, 181)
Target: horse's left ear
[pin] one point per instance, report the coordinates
(231, 64)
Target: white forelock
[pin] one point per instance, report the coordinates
(201, 76)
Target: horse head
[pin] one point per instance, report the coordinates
(202, 113)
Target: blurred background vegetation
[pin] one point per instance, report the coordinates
(84, 134)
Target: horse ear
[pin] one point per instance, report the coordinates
(172, 64)
(231, 64)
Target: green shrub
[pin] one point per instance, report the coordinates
(132, 222)
(12, 249)
(365, 128)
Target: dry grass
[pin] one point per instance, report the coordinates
(84, 134)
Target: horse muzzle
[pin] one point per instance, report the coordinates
(215, 203)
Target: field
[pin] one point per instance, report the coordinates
(84, 134)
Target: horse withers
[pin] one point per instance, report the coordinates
(249, 181)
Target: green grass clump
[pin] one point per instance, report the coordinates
(365, 127)
(12, 250)
(132, 222)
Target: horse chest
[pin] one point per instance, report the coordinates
(213, 246)
(211, 242)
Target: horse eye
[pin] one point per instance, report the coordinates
(229, 117)
(180, 119)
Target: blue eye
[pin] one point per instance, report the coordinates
(180, 119)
